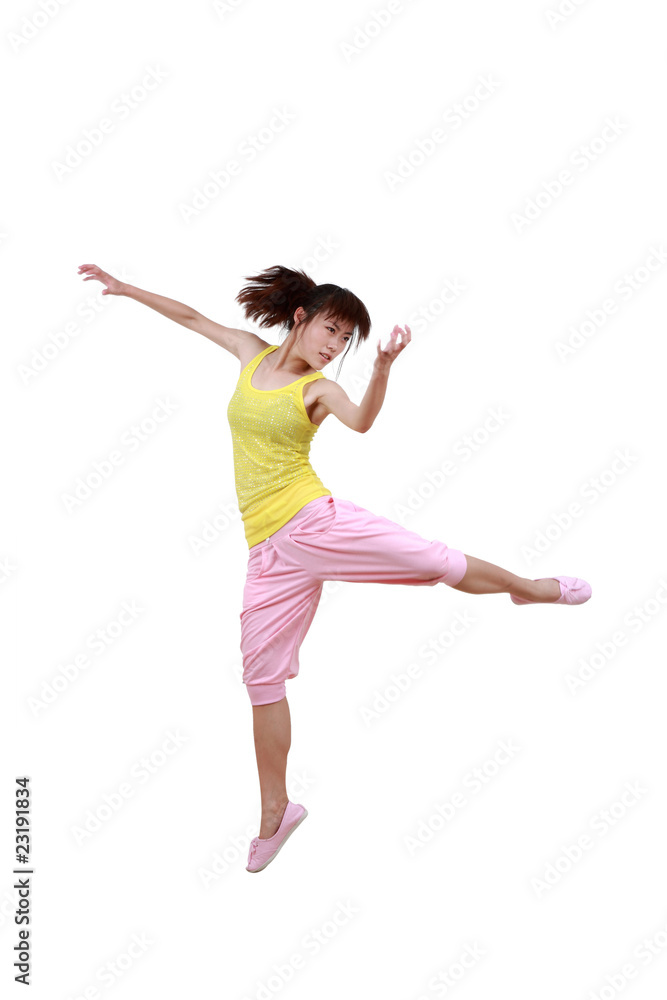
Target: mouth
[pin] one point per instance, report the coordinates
(325, 356)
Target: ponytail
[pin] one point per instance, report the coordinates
(275, 295)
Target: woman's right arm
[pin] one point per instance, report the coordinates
(232, 340)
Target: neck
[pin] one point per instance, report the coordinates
(287, 360)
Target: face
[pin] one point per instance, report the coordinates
(323, 336)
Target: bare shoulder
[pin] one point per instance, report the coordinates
(249, 346)
(327, 387)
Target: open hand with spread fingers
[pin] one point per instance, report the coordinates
(386, 356)
(95, 273)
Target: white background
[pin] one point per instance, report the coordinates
(319, 195)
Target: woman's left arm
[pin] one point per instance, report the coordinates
(361, 418)
(374, 396)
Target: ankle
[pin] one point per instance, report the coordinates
(275, 806)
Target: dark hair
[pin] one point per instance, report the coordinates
(276, 293)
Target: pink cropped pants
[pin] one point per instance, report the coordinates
(328, 539)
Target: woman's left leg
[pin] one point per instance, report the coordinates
(273, 736)
(342, 541)
(485, 578)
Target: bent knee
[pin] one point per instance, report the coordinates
(457, 567)
(445, 565)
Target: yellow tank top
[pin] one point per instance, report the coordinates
(271, 435)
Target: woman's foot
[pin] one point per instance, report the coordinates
(263, 850)
(571, 590)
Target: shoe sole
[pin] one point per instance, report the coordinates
(253, 871)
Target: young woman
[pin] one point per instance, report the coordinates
(298, 533)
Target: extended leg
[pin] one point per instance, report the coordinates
(485, 578)
(347, 542)
(273, 736)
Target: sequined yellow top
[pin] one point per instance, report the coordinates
(271, 434)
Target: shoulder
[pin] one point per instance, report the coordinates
(250, 345)
(326, 391)
(324, 386)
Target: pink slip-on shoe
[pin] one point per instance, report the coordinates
(572, 591)
(262, 852)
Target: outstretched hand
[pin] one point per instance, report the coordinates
(93, 272)
(386, 356)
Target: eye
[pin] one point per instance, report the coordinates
(347, 336)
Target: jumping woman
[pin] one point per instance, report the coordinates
(298, 533)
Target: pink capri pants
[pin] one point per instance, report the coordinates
(328, 539)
